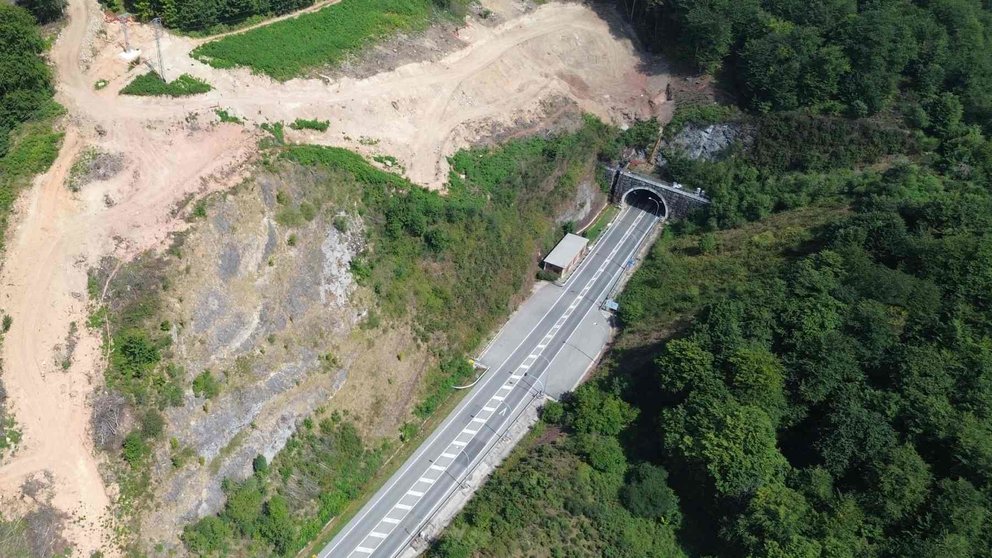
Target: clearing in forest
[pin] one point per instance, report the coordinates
(288, 48)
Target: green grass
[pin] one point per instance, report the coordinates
(328, 457)
(291, 47)
(34, 146)
(151, 84)
(10, 435)
(597, 228)
(226, 116)
(304, 124)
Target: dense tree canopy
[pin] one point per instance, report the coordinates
(45, 11)
(831, 55)
(827, 390)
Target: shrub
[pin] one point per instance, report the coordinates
(552, 412)
(207, 536)
(278, 138)
(135, 355)
(244, 505)
(408, 431)
(225, 116)
(260, 465)
(277, 525)
(647, 494)
(304, 124)
(151, 84)
(308, 211)
(641, 135)
(45, 11)
(136, 450)
(152, 424)
(205, 385)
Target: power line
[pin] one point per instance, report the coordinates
(157, 22)
(123, 21)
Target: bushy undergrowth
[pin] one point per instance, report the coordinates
(572, 507)
(458, 260)
(151, 84)
(33, 147)
(28, 145)
(285, 505)
(291, 47)
(228, 117)
(304, 124)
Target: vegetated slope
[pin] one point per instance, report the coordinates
(804, 368)
(151, 84)
(28, 146)
(289, 48)
(834, 56)
(27, 143)
(226, 345)
(200, 16)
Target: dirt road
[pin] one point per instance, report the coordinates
(420, 113)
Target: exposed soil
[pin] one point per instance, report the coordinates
(173, 150)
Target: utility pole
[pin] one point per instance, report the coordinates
(157, 22)
(123, 21)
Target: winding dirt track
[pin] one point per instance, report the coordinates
(420, 113)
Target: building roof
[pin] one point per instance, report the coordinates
(566, 250)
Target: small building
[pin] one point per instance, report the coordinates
(566, 255)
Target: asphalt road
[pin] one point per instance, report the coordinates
(399, 510)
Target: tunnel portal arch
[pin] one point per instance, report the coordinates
(652, 193)
(678, 202)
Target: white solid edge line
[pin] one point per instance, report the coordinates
(635, 248)
(468, 401)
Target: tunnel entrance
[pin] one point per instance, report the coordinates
(645, 199)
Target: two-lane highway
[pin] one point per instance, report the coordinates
(399, 510)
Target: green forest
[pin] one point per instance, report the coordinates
(804, 368)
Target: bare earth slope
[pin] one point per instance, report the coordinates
(506, 76)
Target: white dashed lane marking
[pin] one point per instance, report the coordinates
(494, 402)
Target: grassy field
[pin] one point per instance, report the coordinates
(304, 124)
(150, 84)
(33, 148)
(291, 47)
(597, 228)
